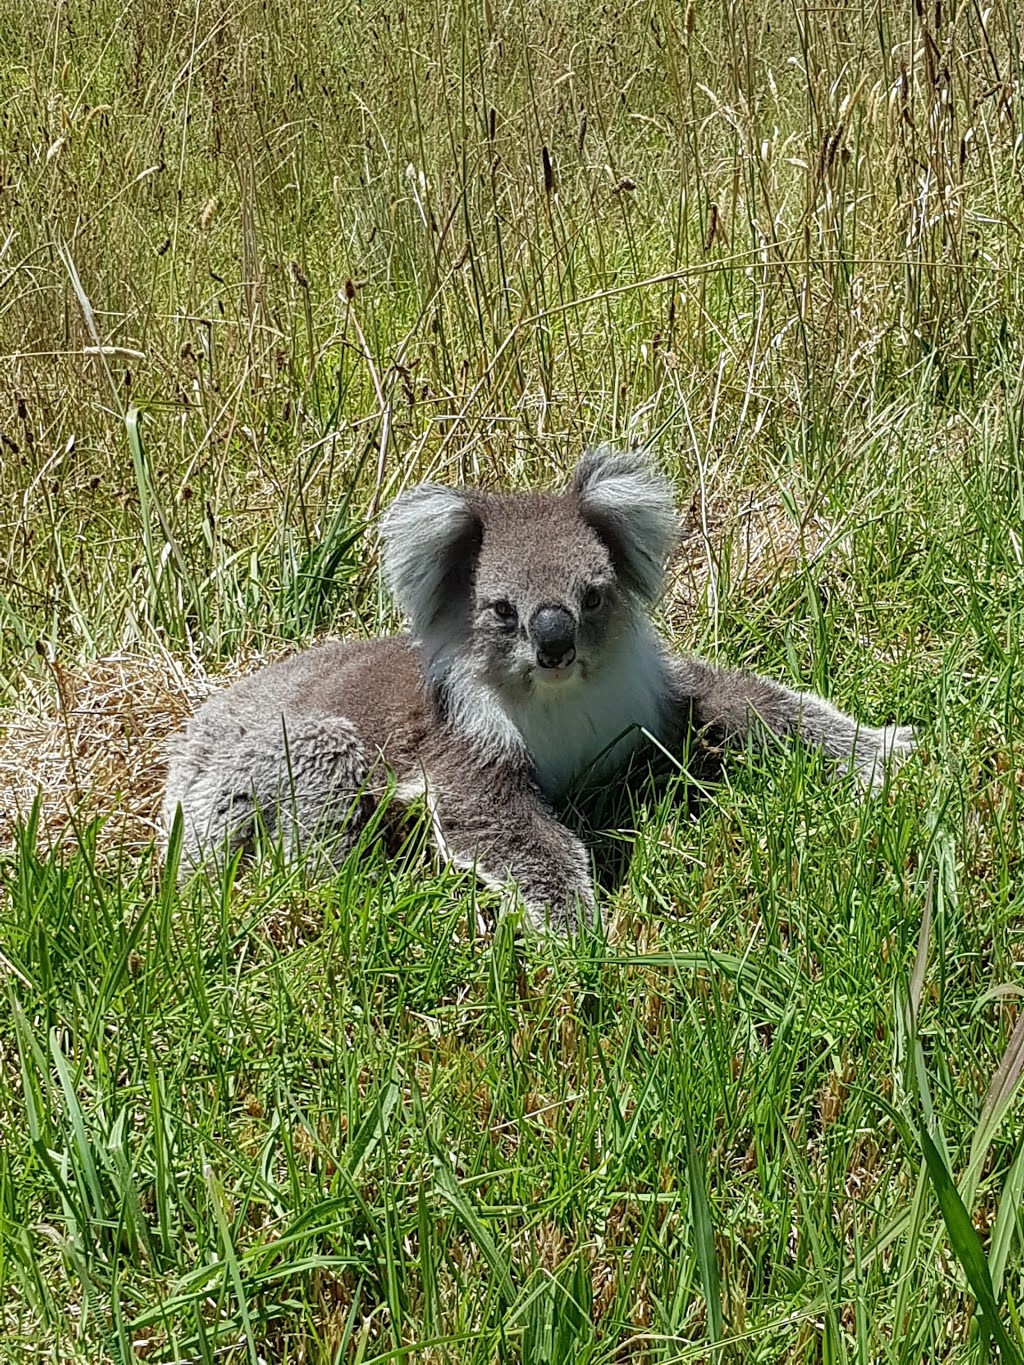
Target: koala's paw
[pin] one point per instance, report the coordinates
(879, 752)
(564, 915)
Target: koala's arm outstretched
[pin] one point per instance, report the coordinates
(492, 818)
(734, 706)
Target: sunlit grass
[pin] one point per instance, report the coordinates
(260, 267)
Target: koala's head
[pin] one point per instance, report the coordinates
(533, 588)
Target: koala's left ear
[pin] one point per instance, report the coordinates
(632, 509)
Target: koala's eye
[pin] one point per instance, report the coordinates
(504, 610)
(592, 599)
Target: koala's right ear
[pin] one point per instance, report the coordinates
(431, 538)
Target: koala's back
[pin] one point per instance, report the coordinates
(376, 685)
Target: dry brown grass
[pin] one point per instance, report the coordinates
(88, 743)
(751, 531)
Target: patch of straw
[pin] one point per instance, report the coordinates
(90, 743)
(764, 544)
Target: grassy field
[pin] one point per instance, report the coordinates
(262, 264)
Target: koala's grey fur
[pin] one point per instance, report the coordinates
(531, 664)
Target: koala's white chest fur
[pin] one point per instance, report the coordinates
(592, 729)
(582, 726)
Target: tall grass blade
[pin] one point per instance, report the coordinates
(703, 1232)
(448, 1188)
(1008, 1223)
(220, 1214)
(966, 1246)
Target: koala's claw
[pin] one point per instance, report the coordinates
(562, 919)
(880, 751)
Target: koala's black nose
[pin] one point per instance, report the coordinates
(554, 633)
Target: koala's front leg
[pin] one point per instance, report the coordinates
(736, 706)
(492, 819)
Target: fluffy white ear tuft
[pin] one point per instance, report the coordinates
(632, 509)
(431, 536)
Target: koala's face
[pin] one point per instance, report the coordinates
(546, 603)
(532, 592)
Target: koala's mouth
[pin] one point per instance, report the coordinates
(554, 677)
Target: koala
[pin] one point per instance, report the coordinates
(531, 669)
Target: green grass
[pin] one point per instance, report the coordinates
(262, 265)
